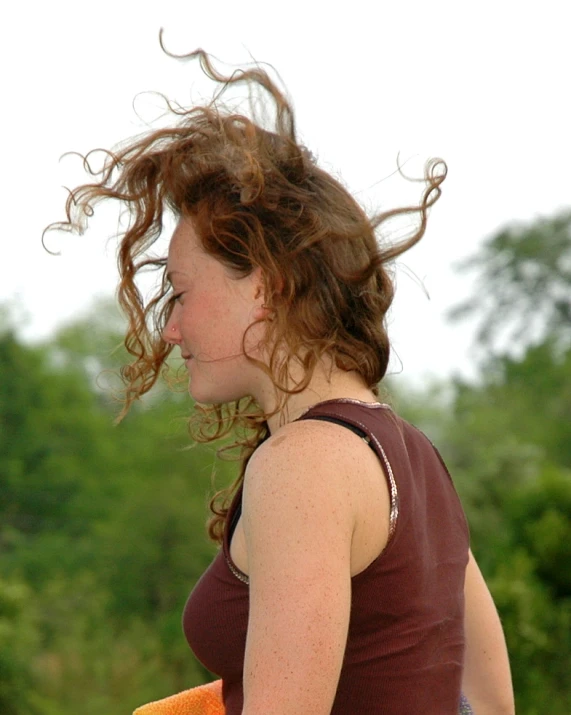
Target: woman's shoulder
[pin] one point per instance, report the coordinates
(326, 476)
(308, 458)
(307, 444)
(311, 453)
(312, 442)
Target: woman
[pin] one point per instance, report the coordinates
(344, 582)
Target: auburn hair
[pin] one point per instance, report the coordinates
(257, 198)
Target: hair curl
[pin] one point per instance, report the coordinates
(257, 198)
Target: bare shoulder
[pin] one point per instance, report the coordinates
(324, 475)
(305, 468)
(305, 442)
(307, 448)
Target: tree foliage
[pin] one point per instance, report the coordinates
(523, 278)
(102, 533)
(508, 442)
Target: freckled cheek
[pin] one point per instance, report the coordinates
(210, 322)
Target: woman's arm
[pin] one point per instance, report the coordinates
(487, 680)
(298, 522)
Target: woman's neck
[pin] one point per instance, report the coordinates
(325, 384)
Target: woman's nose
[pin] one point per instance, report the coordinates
(171, 333)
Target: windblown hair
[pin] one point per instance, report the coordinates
(257, 198)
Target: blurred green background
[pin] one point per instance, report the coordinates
(102, 530)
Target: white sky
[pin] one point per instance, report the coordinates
(484, 85)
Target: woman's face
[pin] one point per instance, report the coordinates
(211, 312)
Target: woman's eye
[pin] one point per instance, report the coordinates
(176, 297)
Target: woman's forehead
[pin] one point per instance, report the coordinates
(184, 234)
(184, 245)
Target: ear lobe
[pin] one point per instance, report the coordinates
(262, 312)
(259, 284)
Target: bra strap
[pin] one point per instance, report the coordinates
(336, 420)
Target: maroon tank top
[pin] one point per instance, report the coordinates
(405, 645)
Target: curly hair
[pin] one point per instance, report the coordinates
(257, 199)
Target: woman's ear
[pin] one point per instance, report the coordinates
(261, 310)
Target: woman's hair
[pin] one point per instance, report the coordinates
(257, 198)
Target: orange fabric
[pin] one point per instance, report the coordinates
(202, 700)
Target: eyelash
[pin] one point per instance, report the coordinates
(175, 298)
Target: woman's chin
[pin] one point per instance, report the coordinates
(208, 396)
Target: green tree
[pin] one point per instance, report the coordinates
(103, 524)
(19, 637)
(523, 284)
(507, 440)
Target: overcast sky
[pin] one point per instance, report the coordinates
(484, 85)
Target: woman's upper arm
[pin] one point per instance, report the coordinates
(298, 523)
(487, 680)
